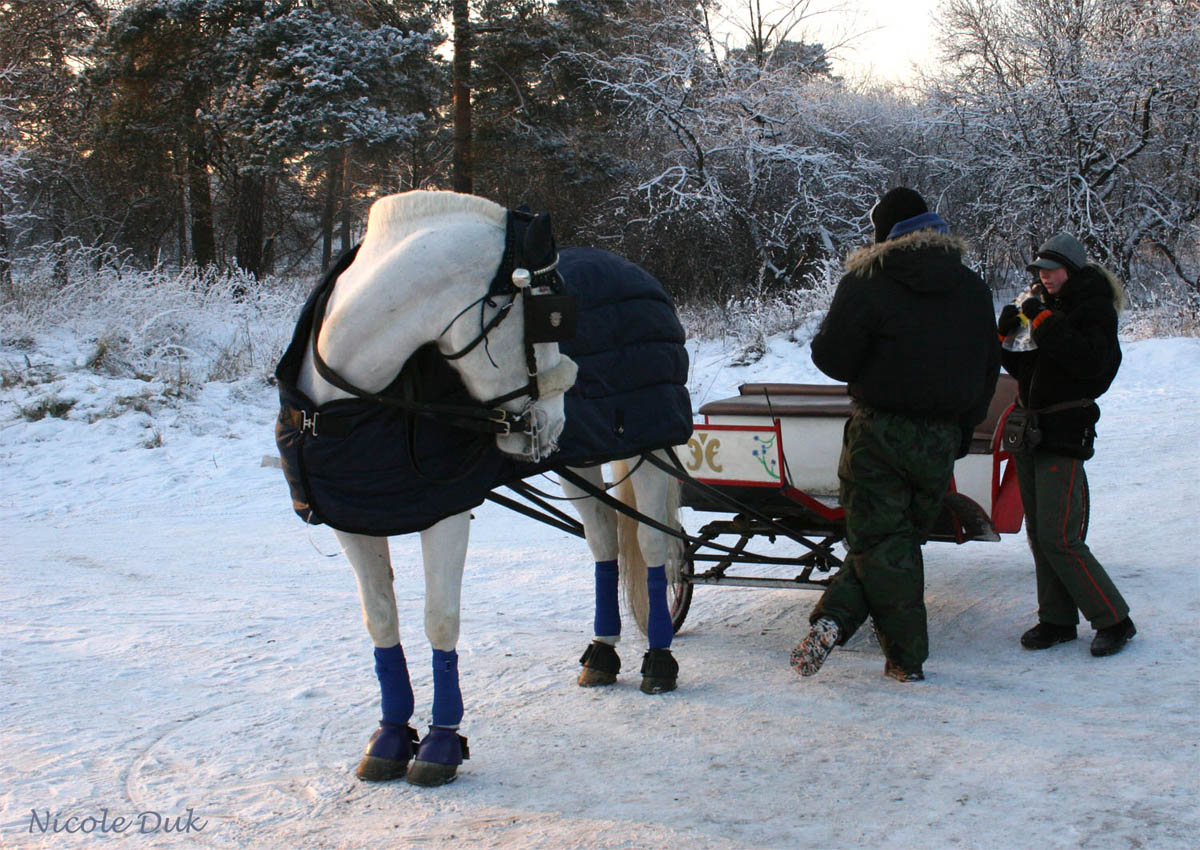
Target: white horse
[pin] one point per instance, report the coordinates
(425, 258)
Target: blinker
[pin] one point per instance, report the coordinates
(551, 317)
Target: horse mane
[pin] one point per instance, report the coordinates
(394, 216)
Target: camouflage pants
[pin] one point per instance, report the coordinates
(894, 471)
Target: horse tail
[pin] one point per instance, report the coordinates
(675, 546)
(630, 558)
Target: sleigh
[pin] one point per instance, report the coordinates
(764, 464)
(766, 460)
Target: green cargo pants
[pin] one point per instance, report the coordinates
(1054, 491)
(894, 471)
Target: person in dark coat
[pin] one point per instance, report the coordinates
(1073, 317)
(911, 330)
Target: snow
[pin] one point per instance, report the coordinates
(175, 639)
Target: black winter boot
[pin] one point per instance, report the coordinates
(895, 671)
(1109, 641)
(1046, 635)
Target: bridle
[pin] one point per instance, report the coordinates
(550, 313)
(550, 316)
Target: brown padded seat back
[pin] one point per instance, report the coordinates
(790, 400)
(793, 389)
(833, 400)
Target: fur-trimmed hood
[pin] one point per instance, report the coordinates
(1093, 280)
(921, 260)
(1118, 288)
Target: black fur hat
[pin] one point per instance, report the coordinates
(896, 206)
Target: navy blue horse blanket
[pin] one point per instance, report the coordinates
(375, 469)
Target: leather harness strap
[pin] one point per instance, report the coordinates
(472, 417)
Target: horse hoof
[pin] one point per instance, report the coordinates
(438, 757)
(660, 671)
(430, 774)
(594, 678)
(372, 769)
(601, 664)
(388, 753)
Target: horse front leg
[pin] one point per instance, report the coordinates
(391, 746)
(442, 750)
(600, 661)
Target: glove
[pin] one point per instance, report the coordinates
(1032, 307)
(1010, 318)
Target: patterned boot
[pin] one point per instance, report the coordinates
(810, 653)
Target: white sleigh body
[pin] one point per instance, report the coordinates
(778, 445)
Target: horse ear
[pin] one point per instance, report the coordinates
(539, 242)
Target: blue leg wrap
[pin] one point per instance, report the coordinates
(447, 698)
(608, 613)
(659, 629)
(394, 687)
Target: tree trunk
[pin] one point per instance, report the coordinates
(462, 176)
(250, 207)
(346, 223)
(7, 290)
(270, 187)
(58, 232)
(204, 240)
(333, 182)
(179, 159)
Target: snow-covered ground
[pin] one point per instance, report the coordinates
(175, 640)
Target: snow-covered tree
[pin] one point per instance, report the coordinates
(1076, 114)
(314, 88)
(156, 72)
(42, 192)
(761, 165)
(240, 104)
(12, 174)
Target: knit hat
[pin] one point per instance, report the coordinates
(897, 205)
(1061, 249)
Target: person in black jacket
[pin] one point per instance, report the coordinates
(911, 330)
(1073, 316)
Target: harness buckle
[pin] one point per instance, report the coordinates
(501, 416)
(309, 423)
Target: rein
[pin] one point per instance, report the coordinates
(489, 420)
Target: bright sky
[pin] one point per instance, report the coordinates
(885, 38)
(902, 33)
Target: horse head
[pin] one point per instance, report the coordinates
(512, 356)
(459, 271)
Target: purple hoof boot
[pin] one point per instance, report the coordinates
(438, 757)
(388, 753)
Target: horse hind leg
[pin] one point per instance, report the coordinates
(442, 750)
(390, 748)
(600, 662)
(654, 552)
